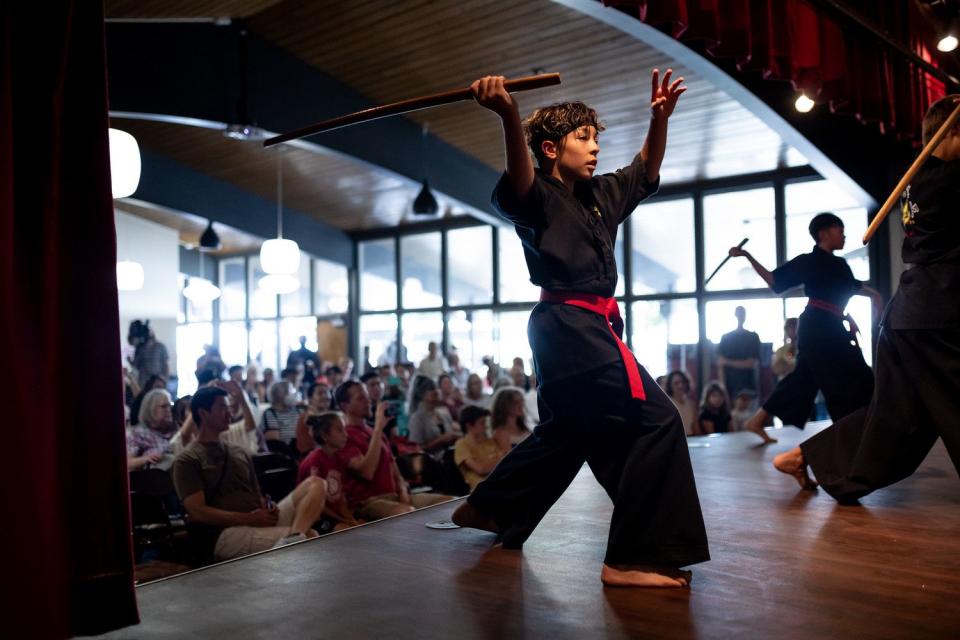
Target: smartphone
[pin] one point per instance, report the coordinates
(394, 408)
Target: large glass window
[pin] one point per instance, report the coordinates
(196, 311)
(806, 199)
(331, 287)
(297, 303)
(263, 345)
(233, 293)
(378, 275)
(263, 304)
(233, 343)
(730, 217)
(420, 271)
(378, 339)
(291, 329)
(469, 267)
(665, 335)
(191, 339)
(512, 341)
(515, 285)
(419, 329)
(472, 335)
(664, 252)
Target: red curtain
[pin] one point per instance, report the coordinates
(68, 560)
(832, 61)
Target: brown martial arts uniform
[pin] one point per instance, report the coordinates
(917, 393)
(590, 396)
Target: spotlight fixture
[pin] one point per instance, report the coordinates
(947, 43)
(803, 103)
(210, 241)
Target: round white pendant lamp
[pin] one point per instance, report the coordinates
(124, 163)
(129, 276)
(201, 290)
(280, 257)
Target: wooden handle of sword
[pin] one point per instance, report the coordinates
(912, 171)
(406, 106)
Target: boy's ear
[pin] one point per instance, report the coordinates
(550, 149)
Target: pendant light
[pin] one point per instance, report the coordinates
(124, 163)
(424, 204)
(209, 240)
(199, 289)
(280, 257)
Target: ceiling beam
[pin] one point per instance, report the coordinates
(191, 72)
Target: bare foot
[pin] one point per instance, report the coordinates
(644, 576)
(467, 516)
(793, 464)
(755, 424)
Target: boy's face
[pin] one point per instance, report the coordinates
(576, 154)
(834, 237)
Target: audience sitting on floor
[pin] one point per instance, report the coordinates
(678, 387)
(330, 435)
(218, 487)
(148, 441)
(742, 409)
(476, 453)
(279, 420)
(508, 417)
(430, 424)
(714, 410)
(373, 484)
(457, 371)
(319, 401)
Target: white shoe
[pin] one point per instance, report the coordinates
(289, 539)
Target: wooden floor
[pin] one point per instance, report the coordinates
(785, 564)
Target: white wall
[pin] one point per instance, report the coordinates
(156, 248)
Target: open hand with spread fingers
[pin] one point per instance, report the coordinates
(663, 98)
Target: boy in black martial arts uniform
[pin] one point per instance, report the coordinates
(917, 393)
(596, 403)
(827, 356)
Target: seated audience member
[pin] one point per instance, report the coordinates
(677, 386)
(406, 371)
(235, 374)
(153, 382)
(148, 441)
(373, 484)
(346, 366)
(181, 410)
(374, 389)
(434, 363)
(474, 395)
(714, 410)
(242, 431)
(330, 435)
(476, 453)
(279, 420)
(518, 374)
(334, 376)
(742, 409)
(450, 396)
(218, 487)
(251, 385)
(429, 426)
(457, 371)
(508, 417)
(264, 386)
(319, 401)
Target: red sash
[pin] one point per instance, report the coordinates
(823, 305)
(606, 307)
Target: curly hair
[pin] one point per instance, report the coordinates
(555, 121)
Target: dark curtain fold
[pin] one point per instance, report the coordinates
(69, 560)
(824, 56)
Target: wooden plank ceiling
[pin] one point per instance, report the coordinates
(389, 50)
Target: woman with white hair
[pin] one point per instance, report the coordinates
(149, 440)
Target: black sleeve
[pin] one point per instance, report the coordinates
(790, 274)
(620, 192)
(526, 212)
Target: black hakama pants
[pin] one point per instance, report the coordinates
(636, 449)
(916, 400)
(826, 360)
